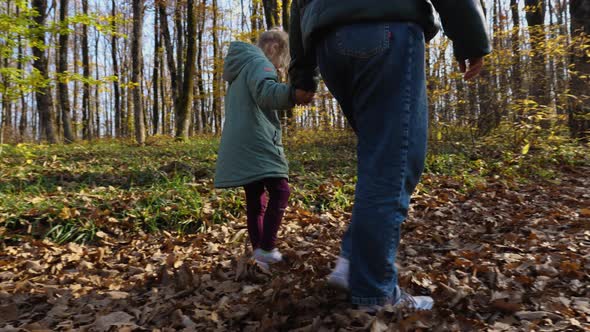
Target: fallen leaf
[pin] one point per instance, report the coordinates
(114, 319)
(536, 315)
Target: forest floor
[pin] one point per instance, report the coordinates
(109, 236)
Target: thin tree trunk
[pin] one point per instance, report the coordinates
(86, 116)
(96, 86)
(64, 98)
(116, 88)
(253, 19)
(200, 75)
(22, 127)
(178, 16)
(43, 93)
(136, 55)
(579, 113)
(515, 39)
(183, 114)
(156, 101)
(271, 13)
(169, 51)
(76, 58)
(286, 12)
(6, 103)
(535, 16)
(216, 70)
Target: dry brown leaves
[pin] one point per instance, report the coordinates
(499, 259)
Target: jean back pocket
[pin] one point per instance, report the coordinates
(363, 40)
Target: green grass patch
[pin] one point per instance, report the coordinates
(80, 191)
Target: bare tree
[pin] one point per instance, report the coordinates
(271, 13)
(535, 16)
(136, 72)
(216, 69)
(165, 31)
(43, 93)
(87, 122)
(515, 40)
(183, 113)
(155, 76)
(63, 96)
(116, 87)
(579, 113)
(200, 75)
(22, 126)
(286, 14)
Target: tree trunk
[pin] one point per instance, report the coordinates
(165, 31)
(271, 13)
(64, 98)
(579, 113)
(156, 101)
(76, 60)
(87, 133)
(6, 103)
(515, 40)
(96, 113)
(183, 113)
(535, 16)
(201, 74)
(255, 19)
(6, 99)
(116, 88)
(286, 12)
(216, 71)
(22, 126)
(178, 17)
(136, 55)
(43, 93)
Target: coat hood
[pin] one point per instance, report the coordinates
(238, 56)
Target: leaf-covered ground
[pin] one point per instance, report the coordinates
(502, 244)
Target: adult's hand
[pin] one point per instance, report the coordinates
(471, 68)
(303, 97)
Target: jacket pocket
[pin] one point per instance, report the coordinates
(276, 140)
(363, 40)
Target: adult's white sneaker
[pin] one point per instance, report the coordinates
(405, 300)
(339, 276)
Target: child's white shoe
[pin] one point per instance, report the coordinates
(339, 276)
(268, 257)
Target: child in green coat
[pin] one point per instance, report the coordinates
(251, 151)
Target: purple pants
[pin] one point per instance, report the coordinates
(265, 215)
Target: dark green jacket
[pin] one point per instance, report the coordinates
(251, 147)
(463, 22)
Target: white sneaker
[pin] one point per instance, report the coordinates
(405, 300)
(339, 276)
(268, 257)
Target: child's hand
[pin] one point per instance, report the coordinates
(303, 97)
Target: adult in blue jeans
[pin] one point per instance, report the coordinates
(371, 56)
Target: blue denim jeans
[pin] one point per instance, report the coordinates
(376, 72)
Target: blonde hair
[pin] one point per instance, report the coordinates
(275, 45)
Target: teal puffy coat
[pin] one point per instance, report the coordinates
(251, 146)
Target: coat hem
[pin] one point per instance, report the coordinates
(243, 182)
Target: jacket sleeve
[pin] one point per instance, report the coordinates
(303, 71)
(465, 24)
(264, 87)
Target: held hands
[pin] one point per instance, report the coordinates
(303, 97)
(471, 68)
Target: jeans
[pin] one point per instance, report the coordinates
(265, 215)
(376, 72)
